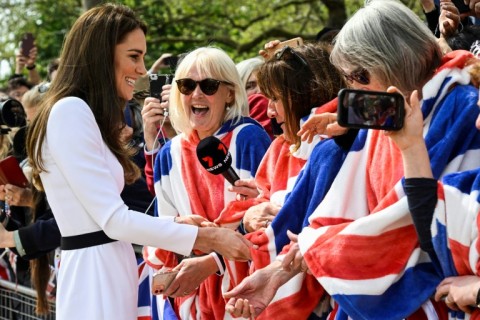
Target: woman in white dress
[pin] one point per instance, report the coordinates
(75, 149)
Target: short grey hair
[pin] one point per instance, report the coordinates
(391, 42)
(210, 62)
(247, 67)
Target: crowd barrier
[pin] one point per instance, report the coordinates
(18, 303)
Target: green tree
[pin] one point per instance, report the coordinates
(239, 27)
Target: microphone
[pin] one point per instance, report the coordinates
(214, 156)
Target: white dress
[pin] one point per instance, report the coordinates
(83, 181)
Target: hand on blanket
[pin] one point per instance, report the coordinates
(255, 292)
(245, 189)
(321, 124)
(195, 220)
(260, 216)
(192, 272)
(459, 292)
(293, 260)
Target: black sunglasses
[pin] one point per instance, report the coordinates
(289, 52)
(208, 86)
(361, 76)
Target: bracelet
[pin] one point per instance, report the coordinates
(477, 301)
(33, 66)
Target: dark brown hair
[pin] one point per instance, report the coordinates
(300, 87)
(87, 71)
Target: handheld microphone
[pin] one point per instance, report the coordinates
(214, 156)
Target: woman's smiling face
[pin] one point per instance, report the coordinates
(206, 113)
(128, 62)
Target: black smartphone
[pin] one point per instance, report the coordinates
(157, 81)
(370, 109)
(461, 6)
(171, 62)
(27, 43)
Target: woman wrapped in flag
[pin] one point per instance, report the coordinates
(360, 242)
(207, 98)
(298, 82)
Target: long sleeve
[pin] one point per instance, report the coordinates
(83, 181)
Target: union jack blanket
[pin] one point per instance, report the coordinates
(360, 243)
(184, 187)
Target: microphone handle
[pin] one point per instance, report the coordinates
(230, 175)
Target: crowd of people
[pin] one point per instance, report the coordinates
(307, 220)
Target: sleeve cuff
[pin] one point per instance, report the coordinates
(151, 152)
(220, 263)
(18, 244)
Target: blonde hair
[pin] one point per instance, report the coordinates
(210, 62)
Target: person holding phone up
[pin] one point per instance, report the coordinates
(452, 202)
(83, 183)
(26, 57)
(360, 242)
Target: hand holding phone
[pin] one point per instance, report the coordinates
(370, 109)
(157, 81)
(162, 280)
(27, 43)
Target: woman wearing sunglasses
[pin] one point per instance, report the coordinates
(360, 243)
(207, 99)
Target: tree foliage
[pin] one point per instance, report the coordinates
(176, 26)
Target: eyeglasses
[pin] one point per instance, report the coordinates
(361, 76)
(208, 86)
(289, 51)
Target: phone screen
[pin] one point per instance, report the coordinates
(370, 109)
(157, 81)
(27, 43)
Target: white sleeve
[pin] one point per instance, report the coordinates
(77, 149)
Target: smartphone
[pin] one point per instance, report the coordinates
(157, 81)
(171, 62)
(27, 43)
(162, 280)
(292, 43)
(370, 109)
(461, 6)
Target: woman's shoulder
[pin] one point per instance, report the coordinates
(70, 113)
(70, 105)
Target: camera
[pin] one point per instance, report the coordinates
(12, 114)
(370, 109)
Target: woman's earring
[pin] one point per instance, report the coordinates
(227, 107)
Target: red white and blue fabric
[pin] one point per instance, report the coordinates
(183, 187)
(360, 243)
(455, 228)
(275, 179)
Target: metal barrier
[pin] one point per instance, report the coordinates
(18, 303)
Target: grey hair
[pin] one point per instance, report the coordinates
(210, 62)
(391, 42)
(247, 67)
